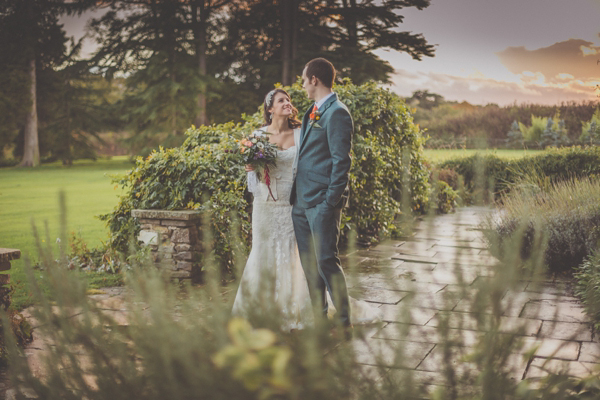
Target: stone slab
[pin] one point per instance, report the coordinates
(414, 259)
(552, 348)
(460, 244)
(460, 320)
(420, 253)
(438, 276)
(173, 222)
(184, 215)
(375, 295)
(401, 284)
(552, 288)
(374, 254)
(9, 254)
(390, 353)
(549, 310)
(515, 364)
(426, 334)
(464, 259)
(415, 246)
(388, 245)
(376, 263)
(590, 352)
(444, 300)
(566, 331)
(542, 367)
(457, 251)
(412, 315)
(148, 237)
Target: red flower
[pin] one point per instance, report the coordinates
(313, 112)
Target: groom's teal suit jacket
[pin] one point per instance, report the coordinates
(324, 160)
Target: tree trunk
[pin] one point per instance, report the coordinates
(31, 151)
(199, 17)
(352, 25)
(288, 29)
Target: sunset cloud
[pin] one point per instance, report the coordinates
(575, 57)
(532, 88)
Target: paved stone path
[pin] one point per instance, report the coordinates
(422, 270)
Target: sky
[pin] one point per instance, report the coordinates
(504, 51)
(496, 51)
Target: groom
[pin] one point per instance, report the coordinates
(320, 189)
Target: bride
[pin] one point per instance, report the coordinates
(273, 283)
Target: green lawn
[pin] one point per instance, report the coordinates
(28, 195)
(439, 155)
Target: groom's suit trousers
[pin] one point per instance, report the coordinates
(317, 233)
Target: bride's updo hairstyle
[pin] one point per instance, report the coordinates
(293, 120)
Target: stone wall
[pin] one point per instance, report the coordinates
(174, 239)
(6, 256)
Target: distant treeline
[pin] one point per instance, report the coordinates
(463, 122)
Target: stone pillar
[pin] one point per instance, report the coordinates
(174, 239)
(6, 255)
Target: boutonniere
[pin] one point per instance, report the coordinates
(315, 115)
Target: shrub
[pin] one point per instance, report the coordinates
(388, 148)
(590, 131)
(449, 176)
(588, 286)
(446, 197)
(199, 175)
(490, 172)
(565, 214)
(533, 133)
(483, 175)
(555, 133)
(514, 137)
(10, 162)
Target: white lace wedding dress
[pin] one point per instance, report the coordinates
(273, 281)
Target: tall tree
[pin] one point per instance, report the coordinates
(289, 28)
(261, 48)
(202, 13)
(31, 40)
(163, 47)
(367, 25)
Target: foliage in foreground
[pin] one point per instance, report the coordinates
(388, 167)
(588, 286)
(180, 342)
(566, 214)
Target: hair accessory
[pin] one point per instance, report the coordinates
(269, 97)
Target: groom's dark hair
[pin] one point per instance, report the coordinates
(321, 69)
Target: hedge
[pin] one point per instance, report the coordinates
(553, 165)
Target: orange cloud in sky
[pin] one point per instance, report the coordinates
(575, 57)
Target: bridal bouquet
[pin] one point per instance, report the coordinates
(257, 151)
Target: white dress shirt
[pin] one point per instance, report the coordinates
(323, 100)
